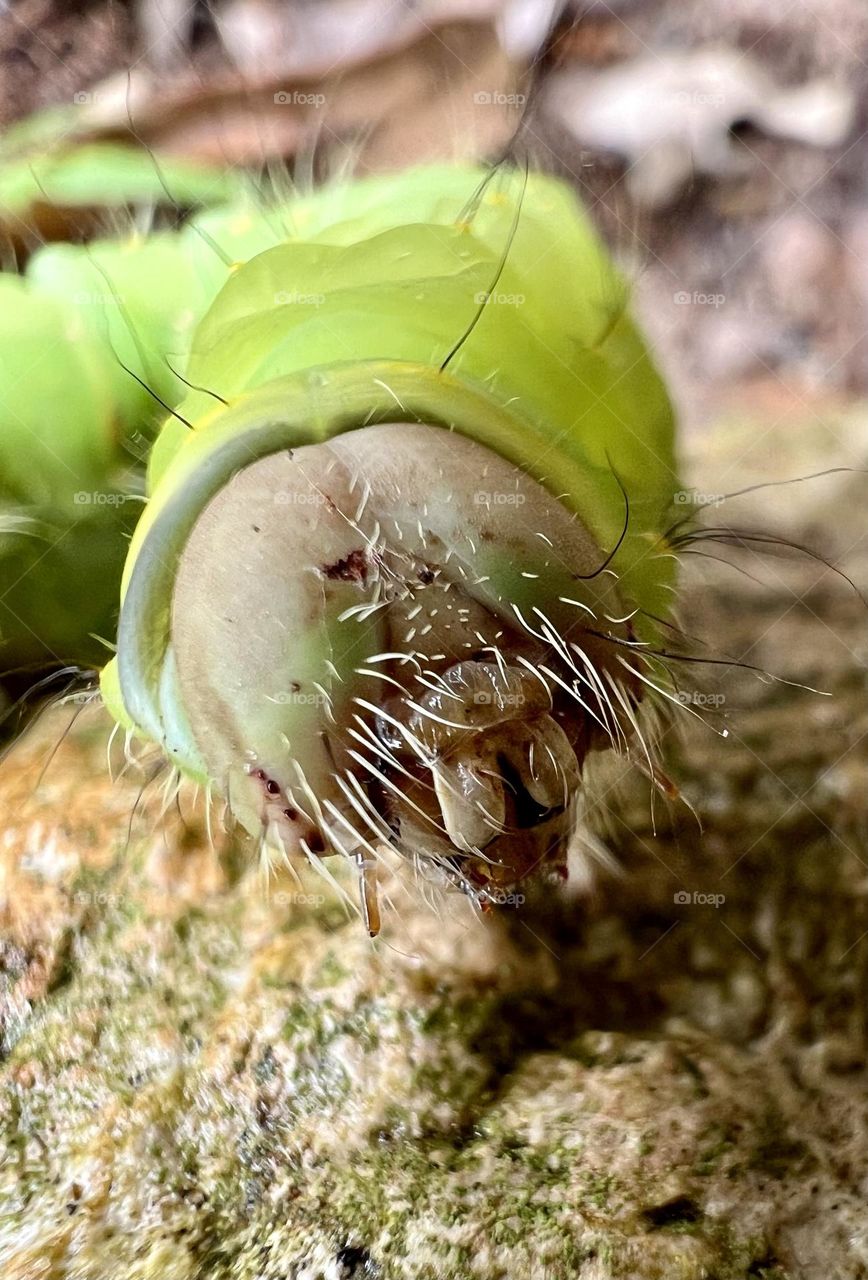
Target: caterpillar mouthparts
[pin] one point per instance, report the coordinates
(398, 638)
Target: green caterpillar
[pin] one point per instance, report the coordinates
(404, 544)
(72, 418)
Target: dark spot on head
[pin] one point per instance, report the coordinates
(295, 687)
(353, 567)
(426, 575)
(315, 842)
(290, 814)
(271, 787)
(255, 528)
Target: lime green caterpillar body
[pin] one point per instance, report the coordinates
(403, 548)
(89, 338)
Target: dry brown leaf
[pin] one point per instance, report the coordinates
(451, 94)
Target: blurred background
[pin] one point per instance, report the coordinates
(720, 143)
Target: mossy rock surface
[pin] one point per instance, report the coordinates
(202, 1080)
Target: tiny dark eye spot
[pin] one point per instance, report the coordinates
(271, 787)
(291, 814)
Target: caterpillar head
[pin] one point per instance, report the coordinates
(396, 637)
(384, 588)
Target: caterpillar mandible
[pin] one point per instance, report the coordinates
(403, 558)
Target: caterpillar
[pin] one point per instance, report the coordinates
(87, 334)
(402, 564)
